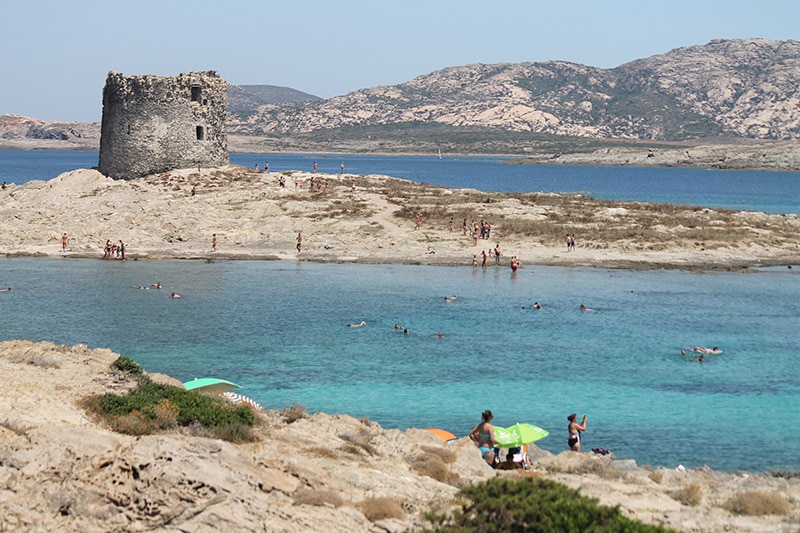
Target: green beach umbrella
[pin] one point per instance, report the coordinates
(210, 385)
(519, 434)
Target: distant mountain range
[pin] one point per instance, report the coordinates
(736, 88)
(726, 90)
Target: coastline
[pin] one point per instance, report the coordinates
(371, 219)
(63, 470)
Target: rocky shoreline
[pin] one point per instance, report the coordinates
(372, 219)
(62, 470)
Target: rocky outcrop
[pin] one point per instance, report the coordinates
(16, 131)
(60, 470)
(739, 88)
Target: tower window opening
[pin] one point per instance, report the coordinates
(201, 133)
(197, 94)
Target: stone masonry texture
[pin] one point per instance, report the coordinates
(154, 124)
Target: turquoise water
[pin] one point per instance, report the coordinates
(279, 330)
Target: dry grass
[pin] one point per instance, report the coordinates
(326, 453)
(14, 427)
(381, 508)
(317, 497)
(432, 466)
(358, 443)
(597, 223)
(690, 495)
(293, 413)
(447, 456)
(758, 503)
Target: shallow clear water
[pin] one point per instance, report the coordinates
(278, 329)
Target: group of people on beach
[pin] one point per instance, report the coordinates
(516, 458)
(112, 250)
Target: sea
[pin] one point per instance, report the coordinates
(279, 329)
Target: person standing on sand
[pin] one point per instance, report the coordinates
(419, 220)
(121, 250)
(64, 241)
(497, 253)
(214, 242)
(299, 241)
(574, 429)
(450, 225)
(315, 167)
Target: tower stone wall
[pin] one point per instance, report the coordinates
(154, 124)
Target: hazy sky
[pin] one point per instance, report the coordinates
(54, 55)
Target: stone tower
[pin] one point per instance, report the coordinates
(153, 124)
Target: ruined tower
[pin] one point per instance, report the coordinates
(153, 124)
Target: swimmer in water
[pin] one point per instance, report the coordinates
(362, 323)
(174, 295)
(584, 308)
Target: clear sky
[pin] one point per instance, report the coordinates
(55, 54)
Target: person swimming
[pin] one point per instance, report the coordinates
(362, 323)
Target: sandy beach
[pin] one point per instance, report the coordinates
(372, 219)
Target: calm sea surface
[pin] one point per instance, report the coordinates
(278, 328)
(771, 192)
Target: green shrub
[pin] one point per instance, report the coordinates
(535, 505)
(152, 406)
(128, 365)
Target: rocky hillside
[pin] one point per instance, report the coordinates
(735, 88)
(243, 100)
(21, 132)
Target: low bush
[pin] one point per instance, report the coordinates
(153, 406)
(756, 503)
(317, 497)
(125, 364)
(689, 495)
(381, 508)
(535, 505)
(432, 466)
(294, 413)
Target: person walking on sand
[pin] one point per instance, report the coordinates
(419, 220)
(299, 241)
(214, 242)
(64, 241)
(574, 429)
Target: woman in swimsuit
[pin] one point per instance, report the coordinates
(574, 430)
(483, 436)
